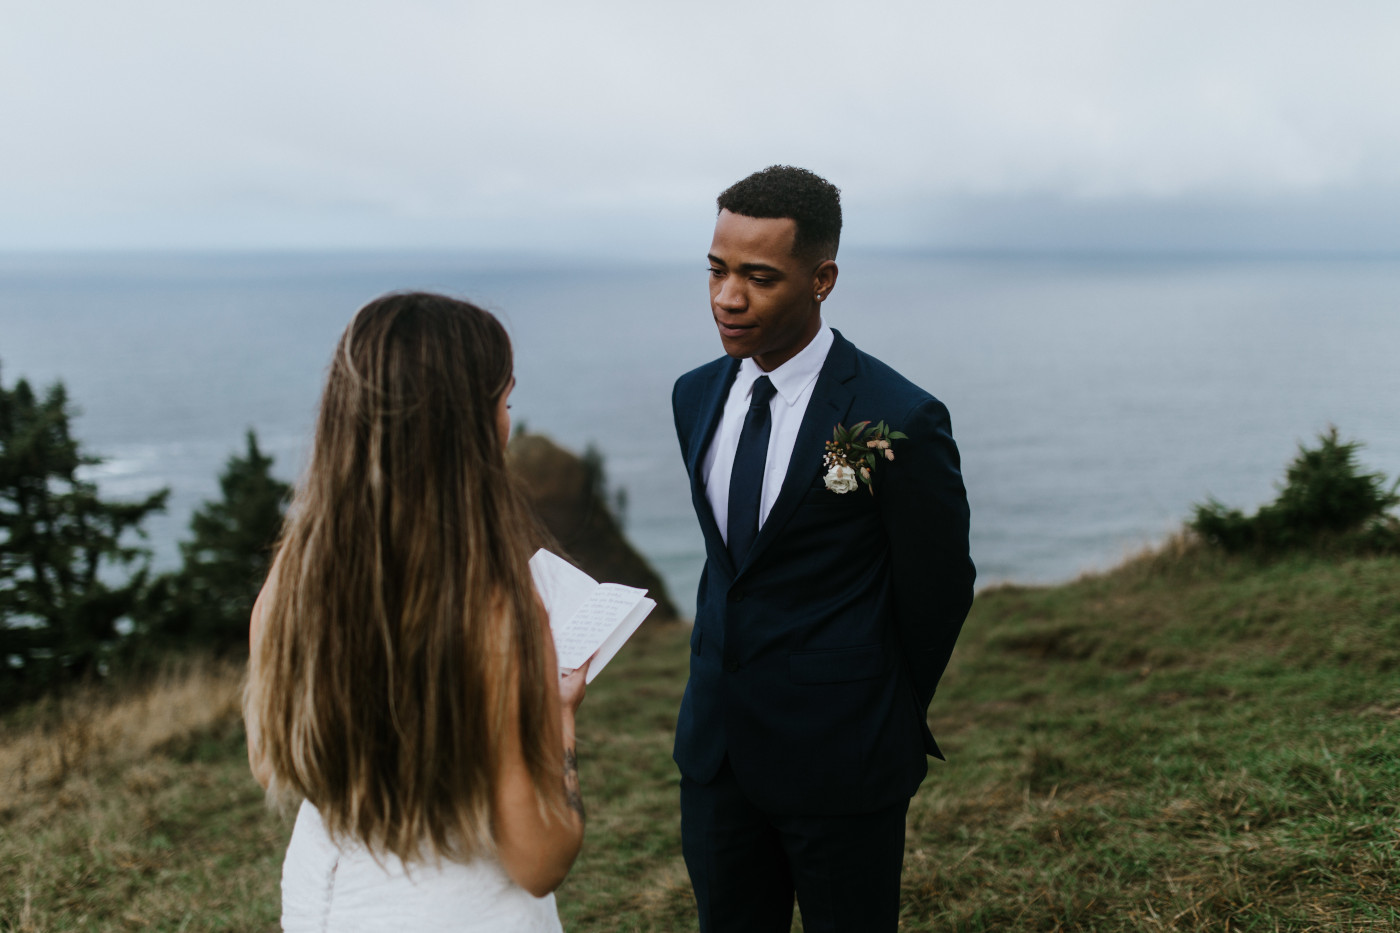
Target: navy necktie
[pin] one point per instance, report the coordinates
(746, 478)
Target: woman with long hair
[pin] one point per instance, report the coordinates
(402, 681)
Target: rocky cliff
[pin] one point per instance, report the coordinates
(567, 493)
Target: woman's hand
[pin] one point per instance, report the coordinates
(572, 687)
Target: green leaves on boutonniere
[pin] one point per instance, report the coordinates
(853, 453)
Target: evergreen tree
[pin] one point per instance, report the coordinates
(1327, 498)
(209, 601)
(65, 574)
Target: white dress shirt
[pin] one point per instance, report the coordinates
(794, 381)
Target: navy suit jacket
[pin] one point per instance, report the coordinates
(813, 664)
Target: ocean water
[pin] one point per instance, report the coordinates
(1094, 400)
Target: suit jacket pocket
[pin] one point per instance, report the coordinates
(822, 497)
(837, 666)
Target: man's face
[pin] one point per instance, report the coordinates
(763, 298)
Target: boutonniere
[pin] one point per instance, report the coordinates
(852, 453)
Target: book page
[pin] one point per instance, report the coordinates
(592, 623)
(620, 635)
(563, 588)
(587, 618)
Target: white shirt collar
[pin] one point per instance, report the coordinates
(793, 377)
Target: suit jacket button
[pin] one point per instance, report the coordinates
(731, 663)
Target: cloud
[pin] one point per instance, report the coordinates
(155, 123)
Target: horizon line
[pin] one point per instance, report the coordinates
(539, 257)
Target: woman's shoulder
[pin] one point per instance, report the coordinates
(263, 604)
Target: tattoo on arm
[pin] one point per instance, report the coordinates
(571, 786)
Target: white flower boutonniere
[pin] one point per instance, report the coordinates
(841, 478)
(852, 453)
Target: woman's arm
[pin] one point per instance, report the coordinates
(571, 689)
(536, 845)
(257, 760)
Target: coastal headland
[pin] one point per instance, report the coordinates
(569, 495)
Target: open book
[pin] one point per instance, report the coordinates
(588, 618)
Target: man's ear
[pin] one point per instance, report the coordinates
(824, 279)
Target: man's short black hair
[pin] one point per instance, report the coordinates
(784, 191)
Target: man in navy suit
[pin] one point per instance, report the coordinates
(826, 614)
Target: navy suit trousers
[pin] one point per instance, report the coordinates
(746, 865)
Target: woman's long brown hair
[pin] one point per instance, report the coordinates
(402, 610)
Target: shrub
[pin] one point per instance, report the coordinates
(1325, 498)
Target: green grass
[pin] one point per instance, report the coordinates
(1189, 743)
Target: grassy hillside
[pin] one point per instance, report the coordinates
(1191, 742)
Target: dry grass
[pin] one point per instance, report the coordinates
(93, 728)
(134, 811)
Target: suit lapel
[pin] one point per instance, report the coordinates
(831, 400)
(711, 406)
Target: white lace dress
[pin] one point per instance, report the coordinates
(331, 889)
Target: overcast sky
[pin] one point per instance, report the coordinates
(608, 127)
